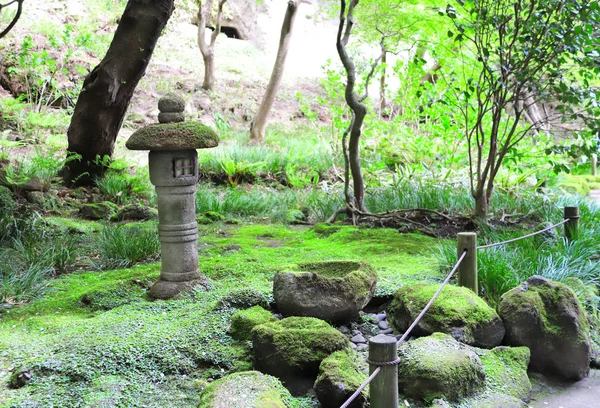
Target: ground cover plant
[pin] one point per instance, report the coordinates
(76, 325)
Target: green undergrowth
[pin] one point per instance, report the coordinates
(94, 339)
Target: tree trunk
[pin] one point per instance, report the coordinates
(208, 49)
(382, 99)
(257, 131)
(107, 90)
(482, 205)
(209, 71)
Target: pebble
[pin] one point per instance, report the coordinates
(359, 338)
(361, 346)
(353, 345)
(356, 332)
(387, 331)
(383, 325)
(278, 316)
(381, 316)
(344, 330)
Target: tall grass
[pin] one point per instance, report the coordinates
(550, 254)
(122, 246)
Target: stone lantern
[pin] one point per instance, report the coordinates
(173, 162)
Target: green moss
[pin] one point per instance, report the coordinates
(326, 229)
(250, 389)
(300, 341)
(344, 367)
(506, 371)
(436, 366)
(104, 210)
(454, 304)
(244, 321)
(173, 136)
(73, 225)
(145, 347)
(112, 296)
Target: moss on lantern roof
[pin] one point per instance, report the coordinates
(173, 136)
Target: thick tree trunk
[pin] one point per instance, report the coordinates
(208, 49)
(257, 131)
(107, 90)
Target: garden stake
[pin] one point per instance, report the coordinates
(572, 225)
(467, 271)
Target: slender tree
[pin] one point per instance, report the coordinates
(207, 49)
(522, 52)
(257, 130)
(108, 89)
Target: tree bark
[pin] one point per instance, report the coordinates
(382, 98)
(257, 131)
(482, 205)
(108, 89)
(208, 49)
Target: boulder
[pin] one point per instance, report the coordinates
(547, 317)
(340, 375)
(457, 311)
(99, 211)
(333, 290)
(249, 389)
(295, 345)
(439, 366)
(137, 212)
(506, 371)
(243, 321)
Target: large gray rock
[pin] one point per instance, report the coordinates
(340, 375)
(334, 290)
(438, 365)
(249, 389)
(295, 345)
(457, 311)
(547, 317)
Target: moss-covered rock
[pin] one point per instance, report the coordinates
(333, 290)
(340, 375)
(99, 211)
(506, 371)
(173, 136)
(546, 317)
(249, 389)
(114, 296)
(439, 366)
(326, 228)
(171, 103)
(295, 345)
(244, 321)
(245, 298)
(457, 311)
(137, 212)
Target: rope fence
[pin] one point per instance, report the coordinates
(383, 358)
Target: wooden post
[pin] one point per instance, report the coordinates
(384, 387)
(467, 270)
(594, 164)
(571, 226)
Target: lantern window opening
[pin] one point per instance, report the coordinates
(184, 167)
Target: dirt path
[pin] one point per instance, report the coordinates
(582, 394)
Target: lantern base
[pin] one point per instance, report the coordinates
(169, 290)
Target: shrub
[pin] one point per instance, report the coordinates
(123, 245)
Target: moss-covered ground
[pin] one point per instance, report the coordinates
(95, 340)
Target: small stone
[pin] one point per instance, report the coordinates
(361, 346)
(343, 329)
(354, 346)
(171, 103)
(171, 117)
(356, 332)
(359, 338)
(383, 325)
(35, 197)
(387, 331)
(381, 316)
